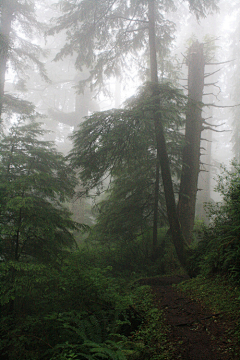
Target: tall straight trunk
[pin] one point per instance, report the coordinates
(191, 151)
(155, 209)
(204, 179)
(162, 155)
(5, 29)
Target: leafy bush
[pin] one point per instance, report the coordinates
(219, 251)
(43, 306)
(74, 311)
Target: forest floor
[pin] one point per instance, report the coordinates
(195, 331)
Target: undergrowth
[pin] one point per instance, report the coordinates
(76, 311)
(150, 340)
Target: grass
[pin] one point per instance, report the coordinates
(220, 295)
(150, 340)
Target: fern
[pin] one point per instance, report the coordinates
(90, 350)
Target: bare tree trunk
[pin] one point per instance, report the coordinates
(191, 151)
(5, 29)
(204, 179)
(162, 155)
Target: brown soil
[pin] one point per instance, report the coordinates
(196, 332)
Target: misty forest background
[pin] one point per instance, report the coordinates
(120, 150)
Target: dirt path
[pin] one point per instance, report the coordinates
(196, 332)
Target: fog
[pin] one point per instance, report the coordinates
(64, 103)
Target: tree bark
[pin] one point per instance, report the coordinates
(155, 210)
(162, 155)
(5, 29)
(191, 151)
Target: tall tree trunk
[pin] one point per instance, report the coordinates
(191, 151)
(162, 155)
(155, 209)
(5, 29)
(204, 179)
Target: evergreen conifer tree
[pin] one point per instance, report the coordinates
(19, 51)
(35, 180)
(113, 34)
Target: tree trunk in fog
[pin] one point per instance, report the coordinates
(204, 179)
(162, 155)
(5, 29)
(191, 151)
(84, 103)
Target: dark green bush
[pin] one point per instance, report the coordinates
(75, 311)
(45, 311)
(134, 258)
(219, 250)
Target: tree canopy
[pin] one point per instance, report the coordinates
(19, 50)
(120, 144)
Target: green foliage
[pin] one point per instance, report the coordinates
(235, 84)
(150, 341)
(111, 140)
(91, 351)
(219, 251)
(19, 25)
(51, 312)
(34, 182)
(222, 296)
(112, 34)
(127, 210)
(20, 17)
(203, 7)
(74, 312)
(121, 144)
(115, 35)
(133, 258)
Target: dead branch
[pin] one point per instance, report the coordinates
(206, 94)
(222, 106)
(185, 87)
(220, 63)
(211, 84)
(205, 122)
(215, 130)
(215, 85)
(210, 74)
(210, 117)
(203, 171)
(184, 56)
(203, 139)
